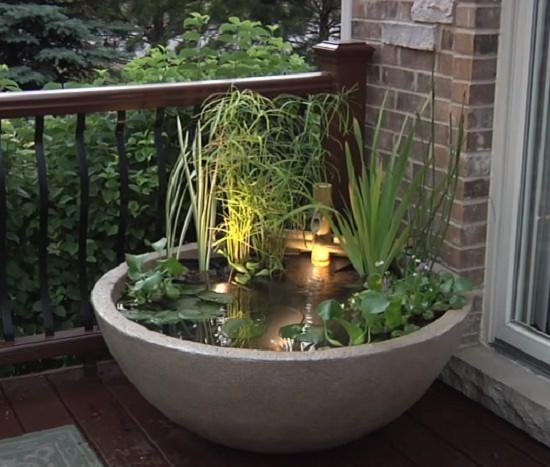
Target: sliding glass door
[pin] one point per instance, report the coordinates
(518, 289)
(533, 251)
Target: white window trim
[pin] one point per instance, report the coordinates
(510, 140)
(346, 19)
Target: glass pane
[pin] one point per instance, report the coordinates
(533, 273)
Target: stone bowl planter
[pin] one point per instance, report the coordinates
(269, 401)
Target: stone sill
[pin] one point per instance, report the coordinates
(509, 388)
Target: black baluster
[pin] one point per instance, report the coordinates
(124, 182)
(7, 319)
(85, 309)
(162, 176)
(47, 314)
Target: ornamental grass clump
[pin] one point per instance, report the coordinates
(391, 215)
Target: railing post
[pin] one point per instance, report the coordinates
(347, 62)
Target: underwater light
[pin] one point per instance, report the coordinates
(320, 226)
(320, 255)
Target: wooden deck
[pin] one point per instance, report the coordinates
(444, 429)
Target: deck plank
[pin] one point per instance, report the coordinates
(509, 433)
(443, 429)
(183, 448)
(36, 403)
(466, 434)
(9, 425)
(104, 422)
(423, 446)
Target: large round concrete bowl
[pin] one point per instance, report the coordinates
(269, 401)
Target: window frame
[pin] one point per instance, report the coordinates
(507, 167)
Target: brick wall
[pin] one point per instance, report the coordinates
(460, 39)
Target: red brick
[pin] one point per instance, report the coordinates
(417, 59)
(469, 212)
(398, 78)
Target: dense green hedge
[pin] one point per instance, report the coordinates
(238, 48)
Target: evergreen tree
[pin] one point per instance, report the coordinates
(40, 43)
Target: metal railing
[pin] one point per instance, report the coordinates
(343, 66)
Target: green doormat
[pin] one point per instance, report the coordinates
(59, 447)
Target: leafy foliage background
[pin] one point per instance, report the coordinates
(238, 48)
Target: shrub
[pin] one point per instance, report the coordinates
(238, 48)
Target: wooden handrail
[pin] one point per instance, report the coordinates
(153, 96)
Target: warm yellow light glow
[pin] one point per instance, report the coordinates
(320, 255)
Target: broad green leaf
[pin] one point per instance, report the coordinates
(290, 331)
(135, 265)
(428, 315)
(242, 279)
(375, 281)
(331, 340)
(312, 334)
(150, 283)
(461, 285)
(447, 281)
(252, 267)
(355, 333)
(239, 268)
(410, 328)
(457, 301)
(172, 266)
(172, 292)
(160, 245)
(393, 316)
(329, 309)
(373, 302)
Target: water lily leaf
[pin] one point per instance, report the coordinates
(216, 297)
(186, 303)
(142, 315)
(211, 309)
(191, 289)
(243, 329)
(329, 309)
(355, 333)
(373, 302)
(162, 318)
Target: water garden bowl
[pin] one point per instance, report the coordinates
(268, 401)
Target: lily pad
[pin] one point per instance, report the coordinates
(216, 297)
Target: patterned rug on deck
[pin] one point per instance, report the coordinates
(59, 447)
